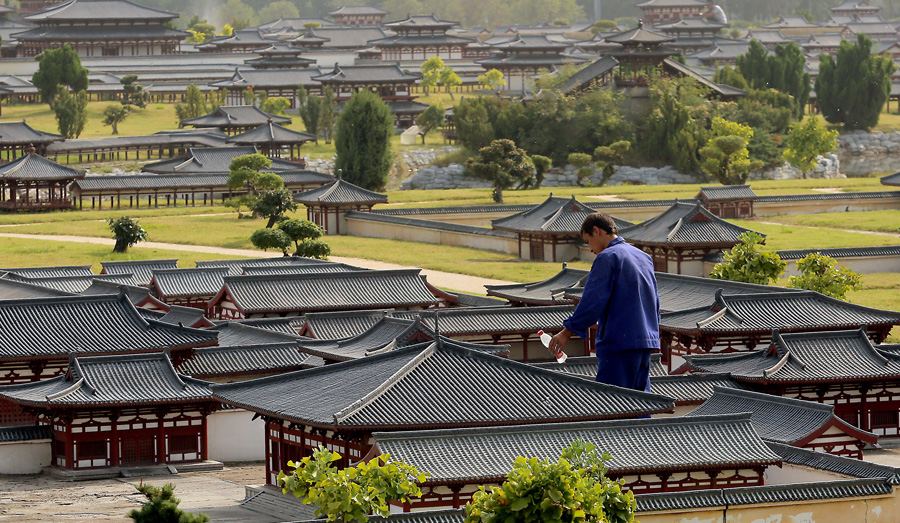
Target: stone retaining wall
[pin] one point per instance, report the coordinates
(829, 166)
(863, 153)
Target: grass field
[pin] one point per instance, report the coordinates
(875, 221)
(789, 237)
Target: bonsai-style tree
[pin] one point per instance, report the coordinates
(430, 119)
(725, 156)
(363, 141)
(574, 488)
(822, 274)
(327, 114)
(606, 158)
(113, 115)
(352, 493)
(431, 72)
(194, 104)
(542, 164)
(162, 507)
(748, 264)
(57, 67)
(245, 174)
(449, 79)
(134, 92)
(126, 231)
(305, 235)
(492, 80)
(582, 163)
(275, 105)
(806, 142)
(273, 204)
(310, 109)
(503, 164)
(266, 239)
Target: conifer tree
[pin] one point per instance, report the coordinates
(363, 141)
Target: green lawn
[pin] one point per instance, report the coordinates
(788, 237)
(15, 252)
(877, 221)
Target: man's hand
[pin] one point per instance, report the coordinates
(559, 341)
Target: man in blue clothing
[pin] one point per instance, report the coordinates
(621, 297)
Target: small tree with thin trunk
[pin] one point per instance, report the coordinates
(328, 114)
(71, 112)
(430, 119)
(503, 164)
(194, 104)
(352, 493)
(60, 66)
(266, 239)
(162, 507)
(822, 274)
(806, 142)
(450, 80)
(310, 109)
(127, 232)
(747, 263)
(113, 115)
(305, 235)
(431, 73)
(492, 80)
(273, 204)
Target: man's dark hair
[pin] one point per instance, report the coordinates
(600, 220)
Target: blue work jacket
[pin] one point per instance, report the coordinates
(621, 297)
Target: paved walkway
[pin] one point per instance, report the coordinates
(444, 280)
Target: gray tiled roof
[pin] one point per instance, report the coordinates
(460, 209)
(19, 289)
(846, 356)
(134, 294)
(141, 269)
(727, 192)
(831, 463)
(641, 445)
(366, 73)
(690, 389)
(843, 252)
(236, 115)
(112, 380)
(429, 224)
(75, 284)
(244, 360)
(387, 332)
(86, 325)
(184, 316)
(656, 366)
(679, 292)
(236, 266)
(598, 67)
(583, 366)
(790, 312)
(210, 160)
(893, 179)
(775, 418)
(188, 283)
(340, 192)
(271, 133)
(769, 494)
(463, 299)
(540, 292)
(233, 334)
(341, 37)
(357, 10)
(74, 11)
(163, 139)
(103, 32)
(300, 268)
(36, 167)
(554, 215)
(289, 325)
(341, 324)
(685, 223)
(641, 36)
(25, 433)
(20, 133)
(722, 90)
(331, 291)
(451, 387)
(874, 195)
(494, 320)
(260, 79)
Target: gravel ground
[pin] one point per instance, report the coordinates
(42, 498)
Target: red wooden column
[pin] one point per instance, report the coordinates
(160, 437)
(114, 439)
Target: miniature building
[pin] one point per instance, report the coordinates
(238, 266)
(292, 25)
(235, 119)
(840, 368)
(74, 284)
(420, 38)
(728, 201)
(641, 54)
(244, 41)
(373, 393)
(247, 361)
(523, 57)
(540, 292)
(856, 8)
(355, 16)
(101, 28)
(273, 82)
(339, 38)
(328, 205)
(665, 11)
(27, 7)
(720, 52)
(292, 295)
(550, 231)
(33, 182)
(679, 238)
(389, 82)
(712, 452)
(188, 287)
(794, 422)
(273, 140)
(693, 34)
(18, 138)
(120, 411)
(742, 322)
(142, 270)
(893, 179)
(279, 56)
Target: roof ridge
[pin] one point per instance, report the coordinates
(315, 275)
(769, 398)
(356, 406)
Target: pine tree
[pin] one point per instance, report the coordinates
(363, 141)
(59, 67)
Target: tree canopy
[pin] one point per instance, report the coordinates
(822, 274)
(747, 263)
(305, 235)
(363, 141)
(808, 141)
(783, 70)
(852, 87)
(503, 164)
(162, 507)
(57, 67)
(70, 111)
(126, 231)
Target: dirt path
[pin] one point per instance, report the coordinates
(873, 233)
(445, 280)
